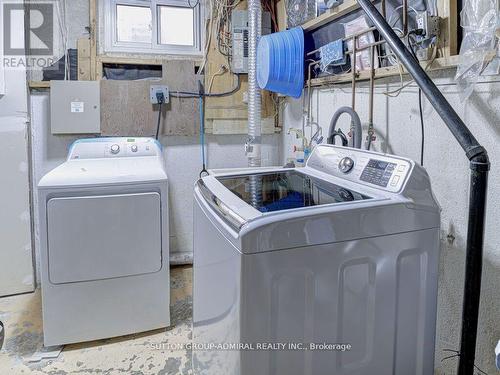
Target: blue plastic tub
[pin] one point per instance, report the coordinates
(280, 62)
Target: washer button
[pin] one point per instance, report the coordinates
(401, 168)
(346, 165)
(115, 149)
(395, 180)
(134, 148)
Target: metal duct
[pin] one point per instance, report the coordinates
(253, 146)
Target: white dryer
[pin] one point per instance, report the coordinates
(105, 241)
(344, 251)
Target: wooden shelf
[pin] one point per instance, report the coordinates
(447, 10)
(331, 15)
(129, 60)
(39, 84)
(438, 64)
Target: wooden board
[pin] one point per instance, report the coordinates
(39, 84)
(448, 11)
(84, 71)
(126, 109)
(330, 15)
(222, 127)
(384, 72)
(93, 38)
(231, 107)
(281, 14)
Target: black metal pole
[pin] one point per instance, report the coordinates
(473, 266)
(479, 165)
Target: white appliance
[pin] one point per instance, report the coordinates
(343, 251)
(104, 241)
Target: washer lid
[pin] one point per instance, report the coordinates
(285, 190)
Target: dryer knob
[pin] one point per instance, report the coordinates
(115, 149)
(346, 165)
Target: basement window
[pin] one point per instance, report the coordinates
(153, 26)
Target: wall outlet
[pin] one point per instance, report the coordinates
(155, 89)
(428, 23)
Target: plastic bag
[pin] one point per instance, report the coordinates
(479, 20)
(363, 61)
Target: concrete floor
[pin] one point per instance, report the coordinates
(134, 354)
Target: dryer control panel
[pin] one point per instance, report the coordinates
(381, 171)
(117, 147)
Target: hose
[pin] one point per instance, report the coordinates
(357, 132)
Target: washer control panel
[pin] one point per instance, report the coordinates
(378, 172)
(117, 147)
(382, 171)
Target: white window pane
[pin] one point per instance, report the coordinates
(176, 25)
(133, 24)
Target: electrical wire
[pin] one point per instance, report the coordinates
(159, 122)
(204, 171)
(221, 71)
(187, 94)
(422, 125)
(63, 30)
(396, 92)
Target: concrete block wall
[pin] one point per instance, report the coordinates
(398, 132)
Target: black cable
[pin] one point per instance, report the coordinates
(187, 94)
(158, 124)
(204, 171)
(422, 144)
(422, 125)
(161, 99)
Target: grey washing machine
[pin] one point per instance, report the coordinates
(105, 241)
(344, 251)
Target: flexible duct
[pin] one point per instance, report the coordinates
(253, 147)
(358, 130)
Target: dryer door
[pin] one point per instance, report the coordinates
(103, 237)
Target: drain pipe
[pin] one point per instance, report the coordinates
(479, 166)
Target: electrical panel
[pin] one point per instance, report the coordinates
(240, 31)
(75, 107)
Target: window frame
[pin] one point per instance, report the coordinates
(111, 31)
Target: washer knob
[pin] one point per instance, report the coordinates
(346, 165)
(115, 149)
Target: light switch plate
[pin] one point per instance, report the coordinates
(75, 107)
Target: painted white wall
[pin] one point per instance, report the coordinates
(183, 162)
(398, 132)
(15, 219)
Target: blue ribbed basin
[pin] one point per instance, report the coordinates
(280, 62)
